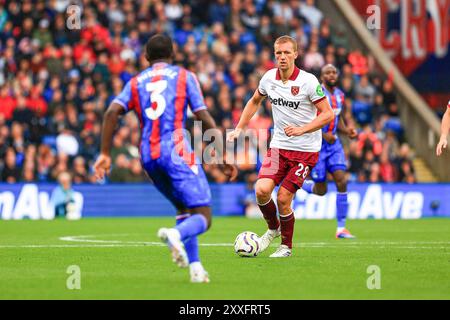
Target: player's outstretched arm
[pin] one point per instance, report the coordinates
(110, 120)
(247, 114)
(326, 116)
(445, 128)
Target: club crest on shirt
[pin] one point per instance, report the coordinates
(319, 91)
(295, 90)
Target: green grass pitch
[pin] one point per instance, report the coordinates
(122, 259)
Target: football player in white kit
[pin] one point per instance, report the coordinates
(445, 127)
(300, 109)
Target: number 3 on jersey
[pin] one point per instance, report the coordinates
(156, 109)
(301, 169)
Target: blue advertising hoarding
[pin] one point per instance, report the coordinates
(366, 201)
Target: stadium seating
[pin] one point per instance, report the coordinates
(55, 82)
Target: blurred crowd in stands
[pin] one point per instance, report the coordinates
(56, 80)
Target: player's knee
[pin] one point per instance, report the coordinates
(209, 223)
(208, 220)
(206, 213)
(341, 185)
(320, 190)
(263, 192)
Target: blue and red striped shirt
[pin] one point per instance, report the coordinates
(336, 100)
(159, 96)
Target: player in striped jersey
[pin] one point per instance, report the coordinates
(332, 157)
(159, 96)
(445, 128)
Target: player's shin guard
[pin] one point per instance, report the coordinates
(287, 229)
(308, 186)
(190, 244)
(192, 226)
(269, 211)
(342, 209)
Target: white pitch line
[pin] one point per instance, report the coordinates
(144, 243)
(84, 238)
(93, 243)
(154, 244)
(34, 246)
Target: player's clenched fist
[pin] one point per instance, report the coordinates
(231, 136)
(292, 131)
(352, 133)
(102, 166)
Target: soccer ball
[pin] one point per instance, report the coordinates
(247, 244)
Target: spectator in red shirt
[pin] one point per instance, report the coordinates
(368, 141)
(116, 65)
(83, 50)
(95, 31)
(7, 103)
(36, 102)
(358, 62)
(387, 169)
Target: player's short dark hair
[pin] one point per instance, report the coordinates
(158, 47)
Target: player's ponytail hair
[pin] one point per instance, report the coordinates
(284, 39)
